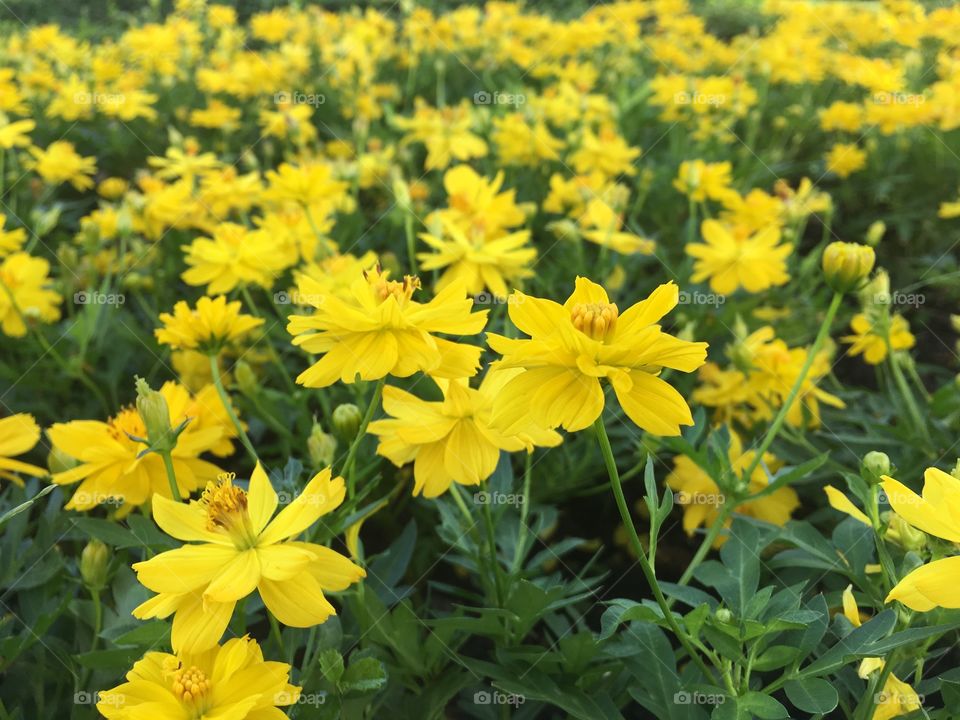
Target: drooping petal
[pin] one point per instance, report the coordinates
(297, 602)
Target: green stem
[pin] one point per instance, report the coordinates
(522, 529)
(645, 565)
(411, 240)
(768, 439)
(171, 475)
(228, 406)
(492, 546)
(906, 394)
(277, 635)
(361, 432)
(97, 618)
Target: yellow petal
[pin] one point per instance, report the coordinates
(183, 521)
(183, 569)
(321, 495)
(839, 501)
(297, 602)
(236, 579)
(930, 586)
(261, 500)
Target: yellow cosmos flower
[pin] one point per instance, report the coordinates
(18, 434)
(478, 262)
(112, 467)
(213, 324)
(702, 181)
(60, 163)
(844, 159)
(237, 548)
(447, 134)
(702, 499)
(234, 256)
(16, 134)
(452, 440)
(524, 143)
(874, 339)
(10, 240)
(228, 682)
(476, 204)
(306, 184)
(602, 225)
(936, 512)
(334, 274)
(606, 152)
(572, 346)
(379, 330)
(731, 260)
(25, 293)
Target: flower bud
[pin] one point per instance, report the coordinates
(346, 421)
(155, 414)
(904, 534)
(321, 447)
(724, 615)
(875, 233)
(847, 265)
(93, 565)
(874, 465)
(246, 378)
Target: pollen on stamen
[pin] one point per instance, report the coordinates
(595, 320)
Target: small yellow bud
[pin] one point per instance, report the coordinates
(875, 464)
(875, 233)
(93, 565)
(321, 447)
(847, 265)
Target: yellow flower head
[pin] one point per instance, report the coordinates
(25, 295)
(10, 240)
(844, 159)
(231, 682)
(731, 260)
(846, 265)
(110, 459)
(234, 256)
(873, 339)
(213, 324)
(702, 181)
(452, 440)
(572, 346)
(447, 134)
(238, 546)
(18, 434)
(60, 163)
(379, 329)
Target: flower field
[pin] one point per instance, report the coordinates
(481, 362)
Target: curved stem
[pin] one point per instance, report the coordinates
(228, 406)
(361, 432)
(645, 565)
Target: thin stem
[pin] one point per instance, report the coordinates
(906, 393)
(171, 475)
(522, 529)
(277, 635)
(645, 565)
(228, 406)
(492, 546)
(768, 439)
(361, 432)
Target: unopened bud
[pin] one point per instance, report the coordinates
(346, 421)
(246, 378)
(875, 464)
(93, 565)
(321, 447)
(875, 233)
(847, 265)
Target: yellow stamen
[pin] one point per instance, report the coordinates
(384, 288)
(227, 510)
(595, 320)
(191, 685)
(125, 423)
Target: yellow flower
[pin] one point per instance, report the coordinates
(25, 293)
(874, 339)
(480, 262)
(936, 512)
(217, 115)
(112, 187)
(10, 240)
(233, 256)
(846, 265)
(60, 163)
(228, 682)
(520, 142)
(731, 260)
(213, 324)
(476, 203)
(574, 345)
(606, 152)
(701, 497)
(702, 181)
(18, 434)
(452, 440)
(306, 184)
(184, 162)
(446, 133)
(16, 134)
(844, 159)
(379, 330)
(235, 548)
(112, 466)
(601, 224)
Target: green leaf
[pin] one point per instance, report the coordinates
(623, 611)
(762, 706)
(331, 665)
(775, 656)
(812, 695)
(853, 646)
(364, 675)
(9, 514)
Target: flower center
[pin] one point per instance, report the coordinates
(191, 686)
(384, 288)
(227, 510)
(125, 424)
(595, 320)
